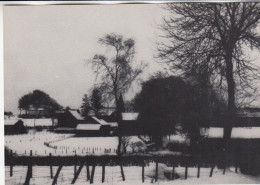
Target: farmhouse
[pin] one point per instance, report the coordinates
(72, 121)
(39, 123)
(129, 124)
(69, 118)
(248, 117)
(39, 111)
(247, 125)
(14, 126)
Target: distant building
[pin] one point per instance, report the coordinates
(8, 115)
(129, 124)
(14, 126)
(69, 118)
(39, 111)
(72, 121)
(246, 125)
(39, 123)
(248, 117)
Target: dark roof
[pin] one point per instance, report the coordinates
(249, 112)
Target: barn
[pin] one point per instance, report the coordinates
(39, 111)
(72, 121)
(14, 126)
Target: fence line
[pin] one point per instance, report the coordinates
(135, 160)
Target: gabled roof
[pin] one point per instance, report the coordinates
(76, 115)
(88, 127)
(129, 116)
(113, 124)
(8, 122)
(40, 107)
(249, 112)
(100, 121)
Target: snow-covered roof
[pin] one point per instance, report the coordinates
(113, 124)
(100, 121)
(11, 121)
(64, 129)
(129, 116)
(249, 114)
(88, 127)
(37, 122)
(76, 114)
(237, 132)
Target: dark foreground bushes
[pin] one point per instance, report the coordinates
(250, 164)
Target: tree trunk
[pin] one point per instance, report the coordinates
(231, 99)
(119, 117)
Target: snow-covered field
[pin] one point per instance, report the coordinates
(42, 143)
(22, 144)
(86, 145)
(41, 175)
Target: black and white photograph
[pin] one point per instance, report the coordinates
(118, 94)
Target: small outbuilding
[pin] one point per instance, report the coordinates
(129, 124)
(14, 126)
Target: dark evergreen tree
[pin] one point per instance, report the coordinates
(86, 105)
(96, 101)
(165, 102)
(37, 98)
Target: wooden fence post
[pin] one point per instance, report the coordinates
(121, 169)
(225, 160)
(31, 165)
(236, 166)
(51, 171)
(211, 170)
(78, 172)
(88, 175)
(143, 172)
(173, 169)
(11, 163)
(186, 170)
(92, 174)
(156, 171)
(103, 173)
(29, 172)
(56, 176)
(75, 165)
(28, 177)
(198, 174)
(224, 170)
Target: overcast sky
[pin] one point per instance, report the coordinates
(46, 47)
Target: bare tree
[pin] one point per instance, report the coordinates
(125, 143)
(116, 73)
(211, 39)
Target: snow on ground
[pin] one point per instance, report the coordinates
(246, 132)
(87, 145)
(41, 175)
(237, 132)
(23, 143)
(177, 138)
(42, 143)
